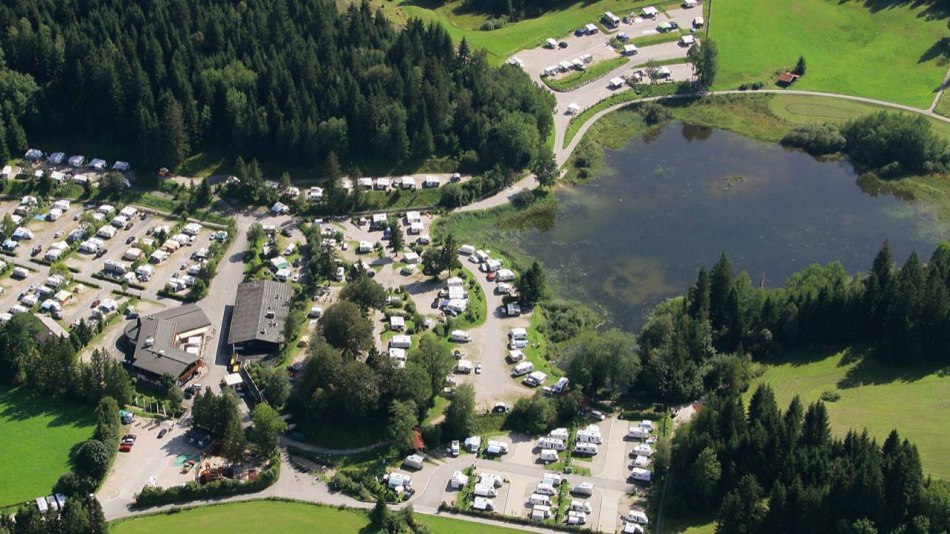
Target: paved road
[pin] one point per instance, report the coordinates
(943, 86)
(488, 346)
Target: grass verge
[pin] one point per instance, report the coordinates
(576, 79)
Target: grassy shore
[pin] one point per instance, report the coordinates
(873, 396)
(37, 435)
(281, 516)
(884, 50)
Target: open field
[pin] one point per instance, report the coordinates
(879, 397)
(37, 436)
(279, 516)
(875, 48)
(516, 36)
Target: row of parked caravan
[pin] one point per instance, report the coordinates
(642, 453)
(485, 489)
(586, 443)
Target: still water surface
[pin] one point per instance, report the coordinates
(671, 203)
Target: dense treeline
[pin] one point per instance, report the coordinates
(768, 471)
(53, 367)
(81, 515)
(889, 144)
(271, 79)
(700, 343)
(515, 9)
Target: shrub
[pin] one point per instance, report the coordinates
(816, 139)
(831, 395)
(894, 144)
(155, 496)
(92, 459)
(654, 113)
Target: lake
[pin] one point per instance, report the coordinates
(672, 202)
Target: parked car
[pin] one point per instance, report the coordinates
(125, 447)
(562, 44)
(130, 240)
(478, 368)
(455, 448)
(598, 415)
(102, 252)
(162, 432)
(132, 437)
(501, 407)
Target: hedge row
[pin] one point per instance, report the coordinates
(154, 496)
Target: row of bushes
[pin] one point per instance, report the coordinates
(93, 457)
(362, 485)
(516, 520)
(155, 496)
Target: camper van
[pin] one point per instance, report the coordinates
(518, 333)
(461, 336)
(485, 490)
(588, 449)
(584, 488)
(548, 455)
(546, 489)
(561, 385)
(559, 433)
(535, 379)
(551, 443)
(490, 479)
(642, 450)
(505, 275)
(414, 461)
(515, 356)
(636, 432)
(483, 504)
(522, 368)
(540, 512)
(581, 506)
(576, 518)
(466, 250)
(590, 434)
(640, 475)
(637, 516)
(464, 367)
(536, 499)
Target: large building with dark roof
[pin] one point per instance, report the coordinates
(260, 311)
(168, 343)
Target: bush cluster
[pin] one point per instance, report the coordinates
(154, 496)
(816, 139)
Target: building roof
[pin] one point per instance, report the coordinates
(158, 346)
(260, 310)
(50, 328)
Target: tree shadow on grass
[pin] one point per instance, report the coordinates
(867, 371)
(940, 51)
(932, 9)
(19, 405)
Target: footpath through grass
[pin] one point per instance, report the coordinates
(881, 398)
(255, 517)
(885, 50)
(36, 437)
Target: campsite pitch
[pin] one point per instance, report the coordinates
(37, 436)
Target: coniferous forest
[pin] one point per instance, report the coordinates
(265, 79)
(698, 343)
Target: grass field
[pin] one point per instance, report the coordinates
(943, 106)
(280, 516)
(801, 109)
(883, 49)
(36, 436)
(912, 400)
(529, 33)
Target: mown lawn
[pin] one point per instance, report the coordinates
(911, 399)
(874, 48)
(529, 33)
(36, 437)
(801, 109)
(943, 105)
(280, 516)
